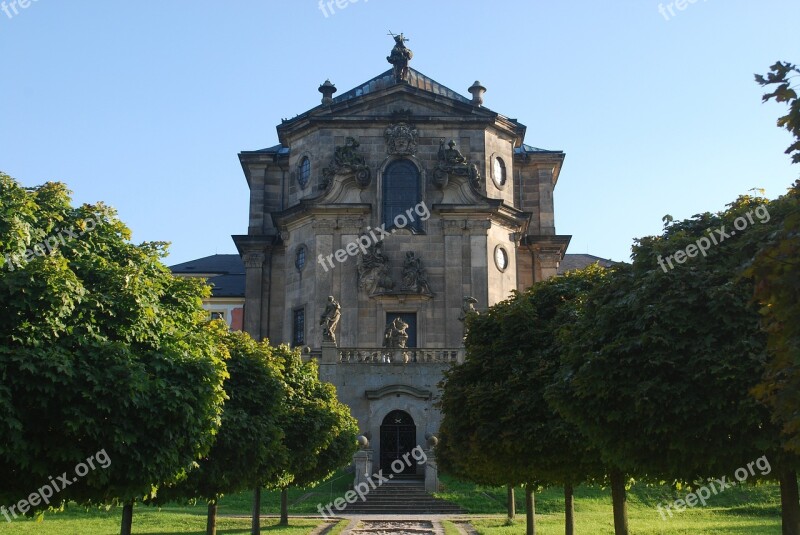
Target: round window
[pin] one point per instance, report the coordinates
(499, 172)
(500, 258)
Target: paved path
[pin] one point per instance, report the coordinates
(402, 525)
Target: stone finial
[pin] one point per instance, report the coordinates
(327, 89)
(477, 91)
(363, 442)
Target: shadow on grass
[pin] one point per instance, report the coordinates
(232, 531)
(752, 510)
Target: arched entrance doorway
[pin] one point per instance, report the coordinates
(398, 438)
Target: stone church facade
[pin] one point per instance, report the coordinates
(383, 217)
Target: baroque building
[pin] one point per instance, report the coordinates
(382, 218)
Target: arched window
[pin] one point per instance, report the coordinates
(401, 195)
(304, 172)
(300, 258)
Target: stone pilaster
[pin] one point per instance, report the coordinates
(547, 252)
(256, 253)
(254, 275)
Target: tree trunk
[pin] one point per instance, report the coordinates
(530, 510)
(569, 509)
(512, 507)
(211, 522)
(790, 503)
(127, 519)
(620, 500)
(284, 507)
(255, 528)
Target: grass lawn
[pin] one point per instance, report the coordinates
(148, 521)
(179, 519)
(740, 510)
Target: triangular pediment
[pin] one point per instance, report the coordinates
(383, 95)
(415, 80)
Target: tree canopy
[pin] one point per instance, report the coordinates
(101, 348)
(498, 428)
(249, 449)
(661, 363)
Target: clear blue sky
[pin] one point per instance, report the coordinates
(145, 105)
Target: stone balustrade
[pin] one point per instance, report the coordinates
(411, 355)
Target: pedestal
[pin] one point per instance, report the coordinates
(329, 353)
(431, 473)
(362, 459)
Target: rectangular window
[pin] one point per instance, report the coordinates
(299, 327)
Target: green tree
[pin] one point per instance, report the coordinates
(661, 363)
(776, 273)
(777, 277)
(101, 348)
(319, 431)
(780, 75)
(249, 449)
(497, 427)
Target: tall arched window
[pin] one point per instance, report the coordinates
(400, 195)
(304, 172)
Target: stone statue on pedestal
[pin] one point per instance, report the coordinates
(467, 309)
(396, 336)
(399, 58)
(330, 320)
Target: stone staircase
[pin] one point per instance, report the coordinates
(401, 496)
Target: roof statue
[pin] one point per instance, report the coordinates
(399, 57)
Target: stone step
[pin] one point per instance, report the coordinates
(406, 497)
(420, 492)
(399, 511)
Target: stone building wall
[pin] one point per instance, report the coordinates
(465, 222)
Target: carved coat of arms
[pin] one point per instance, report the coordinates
(401, 139)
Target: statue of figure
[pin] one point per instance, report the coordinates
(347, 155)
(330, 319)
(414, 276)
(396, 336)
(373, 270)
(450, 156)
(467, 309)
(399, 57)
(347, 160)
(452, 162)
